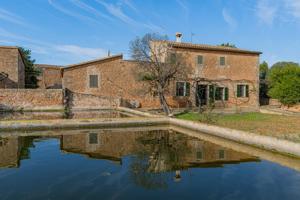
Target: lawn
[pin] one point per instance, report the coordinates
(284, 127)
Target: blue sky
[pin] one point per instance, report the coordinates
(70, 31)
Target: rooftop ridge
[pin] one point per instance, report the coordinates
(93, 61)
(208, 47)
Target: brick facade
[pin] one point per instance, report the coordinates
(12, 66)
(50, 77)
(31, 99)
(117, 78)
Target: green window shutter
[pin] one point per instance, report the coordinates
(93, 81)
(177, 88)
(173, 58)
(247, 90)
(226, 93)
(211, 93)
(222, 61)
(199, 155)
(200, 60)
(187, 89)
(239, 91)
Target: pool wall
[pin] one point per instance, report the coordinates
(147, 119)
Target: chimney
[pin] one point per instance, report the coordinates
(178, 37)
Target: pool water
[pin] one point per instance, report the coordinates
(156, 164)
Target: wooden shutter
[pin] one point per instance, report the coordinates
(222, 61)
(211, 93)
(93, 81)
(187, 89)
(226, 94)
(239, 91)
(247, 90)
(177, 88)
(200, 60)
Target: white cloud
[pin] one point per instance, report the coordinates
(71, 13)
(129, 4)
(229, 19)
(81, 51)
(266, 11)
(116, 11)
(11, 17)
(293, 7)
(90, 9)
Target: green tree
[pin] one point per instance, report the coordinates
(263, 86)
(228, 45)
(31, 72)
(263, 70)
(284, 82)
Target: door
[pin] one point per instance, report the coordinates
(201, 95)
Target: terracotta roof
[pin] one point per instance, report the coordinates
(119, 56)
(49, 66)
(210, 47)
(9, 47)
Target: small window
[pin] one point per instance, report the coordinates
(200, 60)
(199, 155)
(242, 90)
(93, 81)
(222, 154)
(222, 61)
(93, 138)
(173, 58)
(182, 89)
(219, 94)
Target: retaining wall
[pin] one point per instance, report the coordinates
(31, 99)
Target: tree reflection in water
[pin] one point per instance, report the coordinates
(158, 152)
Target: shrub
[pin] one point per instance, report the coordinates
(284, 83)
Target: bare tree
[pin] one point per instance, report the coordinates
(158, 65)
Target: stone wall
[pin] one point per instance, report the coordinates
(11, 63)
(31, 99)
(89, 101)
(50, 77)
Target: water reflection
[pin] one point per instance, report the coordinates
(160, 151)
(133, 164)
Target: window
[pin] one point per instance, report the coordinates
(173, 58)
(182, 88)
(242, 91)
(221, 154)
(93, 81)
(93, 138)
(200, 60)
(222, 61)
(218, 93)
(199, 155)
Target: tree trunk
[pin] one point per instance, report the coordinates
(163, 103)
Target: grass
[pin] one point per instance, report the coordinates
(283, 127)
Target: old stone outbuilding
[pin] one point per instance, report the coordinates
(12, 68)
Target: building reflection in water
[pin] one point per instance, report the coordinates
(151, 152)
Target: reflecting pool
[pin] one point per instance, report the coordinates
(134, 164)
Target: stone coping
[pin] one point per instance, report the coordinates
(265, 142)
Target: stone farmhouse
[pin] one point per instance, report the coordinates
(12, 70)
(227, 76)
